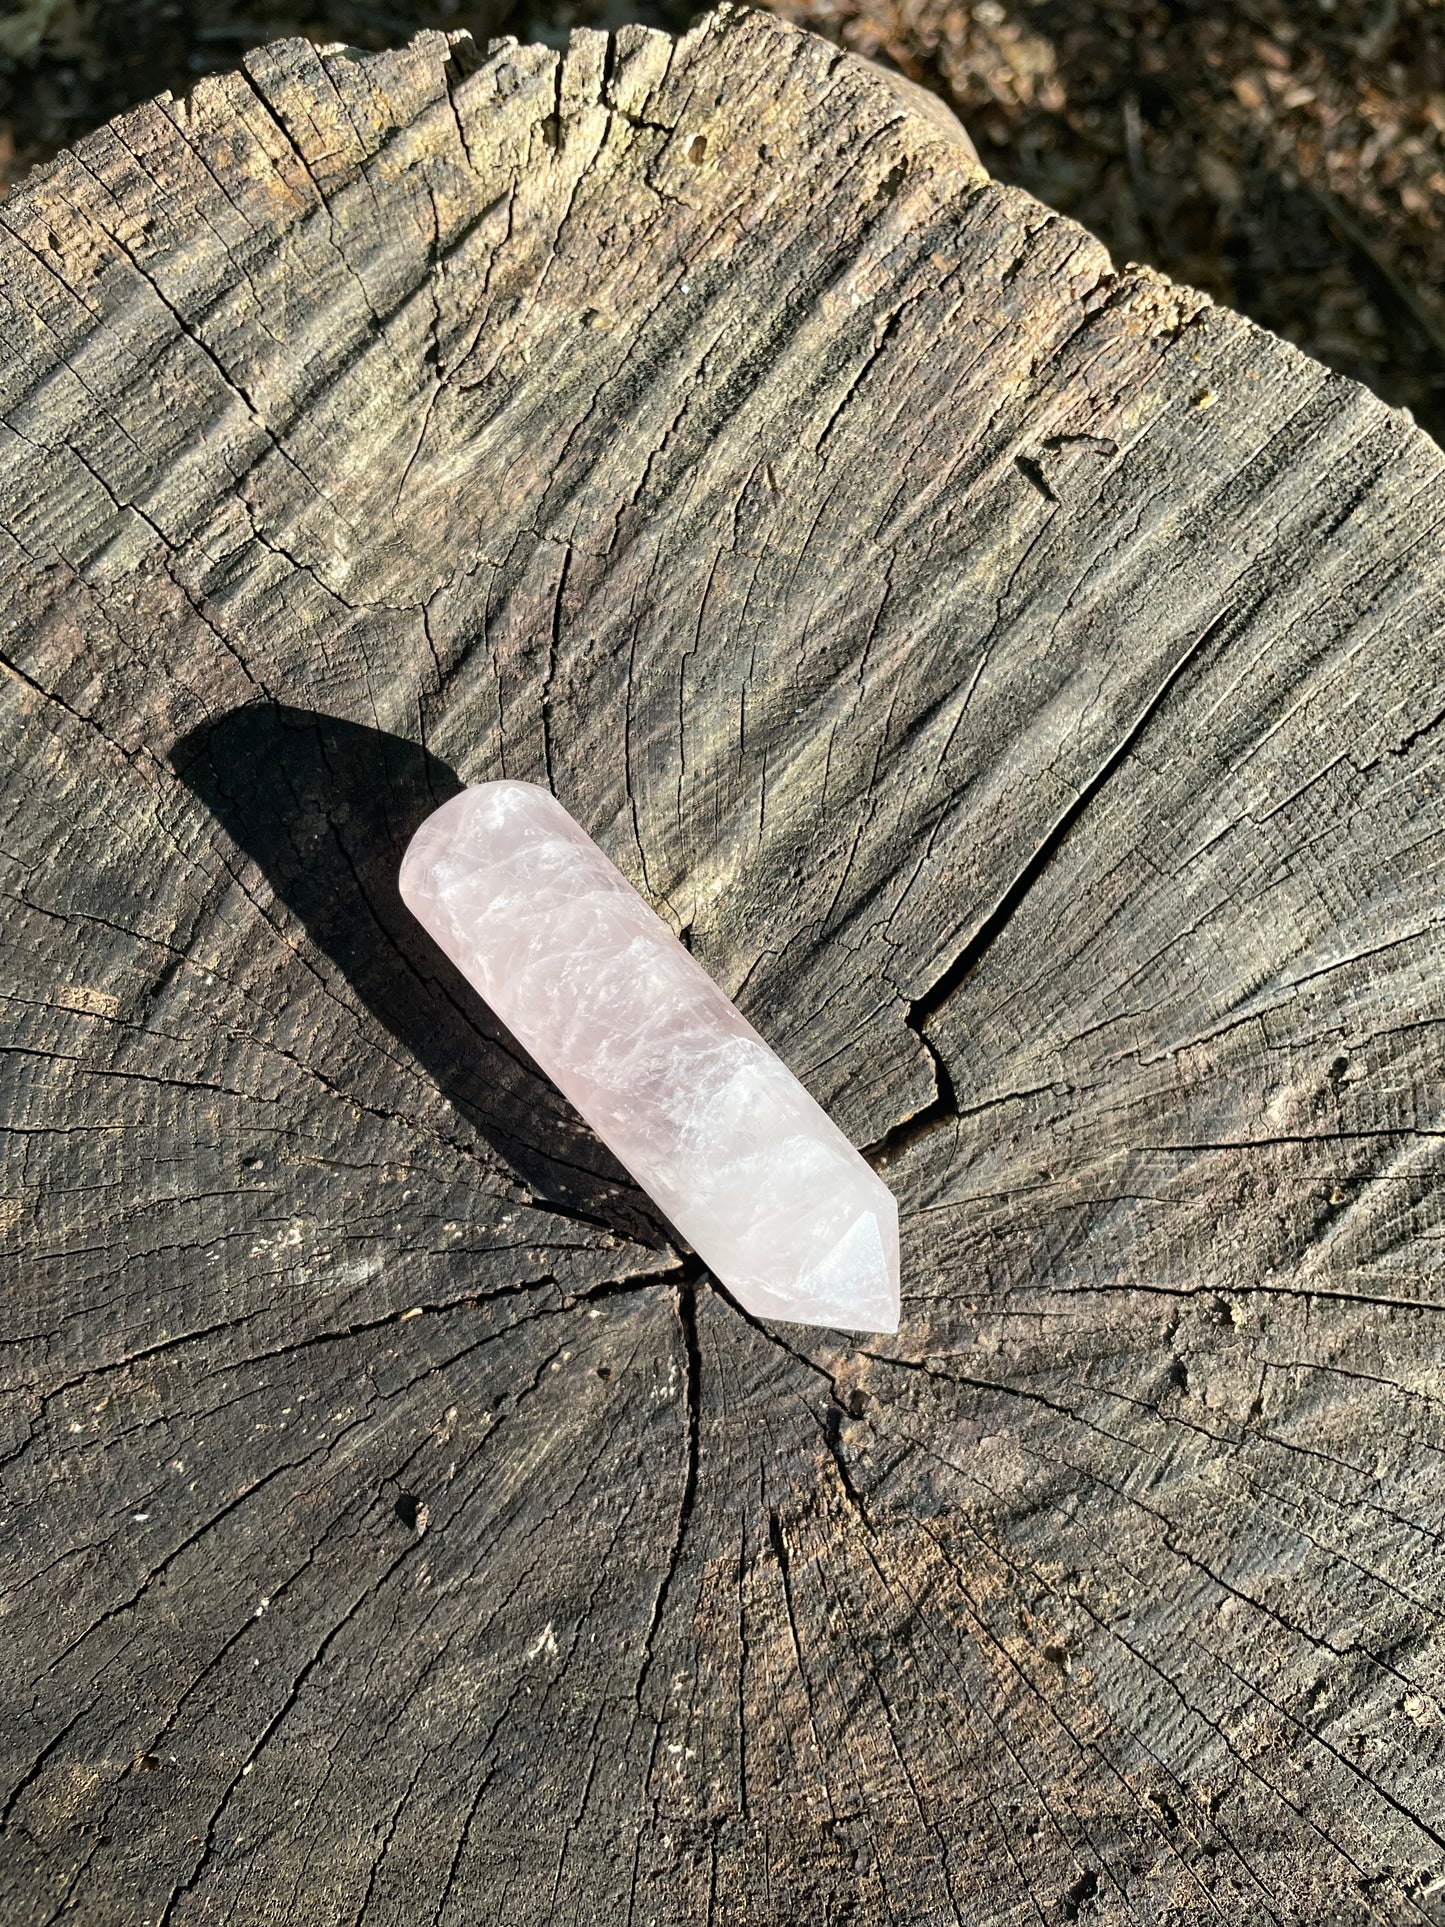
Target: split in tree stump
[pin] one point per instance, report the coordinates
(1021, 681)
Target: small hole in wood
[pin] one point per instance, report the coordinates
(412, 1512)
(697, 149)
(1165, 1809)
(1084, 1888)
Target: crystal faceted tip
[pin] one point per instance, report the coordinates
(669, 1074)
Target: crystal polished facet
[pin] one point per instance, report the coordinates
(669, 1074)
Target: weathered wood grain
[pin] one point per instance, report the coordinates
(1023, 683)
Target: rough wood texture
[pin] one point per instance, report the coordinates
(1023, 682)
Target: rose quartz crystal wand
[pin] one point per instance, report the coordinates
(667, 1072)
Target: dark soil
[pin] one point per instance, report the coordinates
(1288, 156)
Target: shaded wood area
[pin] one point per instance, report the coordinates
(1021, 682)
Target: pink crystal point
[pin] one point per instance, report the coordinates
(671, 1076)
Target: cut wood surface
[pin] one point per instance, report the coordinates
(1022, 684)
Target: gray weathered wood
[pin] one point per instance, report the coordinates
(1022, 680)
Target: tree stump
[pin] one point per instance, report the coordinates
(1019, 681)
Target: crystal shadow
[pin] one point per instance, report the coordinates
(326, 809)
